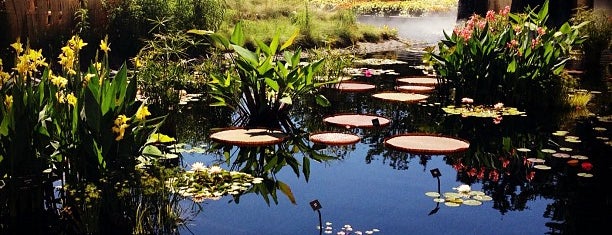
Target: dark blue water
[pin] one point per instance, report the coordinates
(372, 188)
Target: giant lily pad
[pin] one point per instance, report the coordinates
(415, 89)
(423, 81)
(357, 120)
(424, 143)
(400, 96)
(354, 87)
(334, 138)
(249, 136)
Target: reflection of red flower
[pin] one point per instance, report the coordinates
(458, 166)
(530, 175)
(472, 172)
(505, 162)
(481, 173)
(494, 175)
(587, 166)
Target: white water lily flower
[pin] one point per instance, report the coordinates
(198, 166)
(215, 170)
(464, 188)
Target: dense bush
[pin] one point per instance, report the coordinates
(511, 58)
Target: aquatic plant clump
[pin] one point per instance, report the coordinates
(202, 182)
(463, 195)
(467, 109)
(507, 57)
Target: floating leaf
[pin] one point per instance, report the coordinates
(432, 194)
(452, 204)
(542, 167)
(472, 202)
(548, 151)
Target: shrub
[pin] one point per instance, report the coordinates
(511, 58)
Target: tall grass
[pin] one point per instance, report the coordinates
(318, 27)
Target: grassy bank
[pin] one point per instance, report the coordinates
(389, 7)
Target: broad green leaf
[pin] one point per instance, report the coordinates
(246, 54)
(306, 167)
(289, 41)
(322, 100)
(512, 66)
(237, 37)
(151, 150)
(286, 190)
(272, 84)
(160, 138)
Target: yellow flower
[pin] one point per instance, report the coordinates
(71, 99)
(60, 97)
(8, 101)
(77, 43)
(17, 46)
(142, 113)
(104, 45)
(120, 126)
(98, 66)
(87, 77)
(58, 81)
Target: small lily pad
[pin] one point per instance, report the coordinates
(524, 150)
(586, 175)
(565, 149)
(579, 157)
(452, 204)
(439, 200)
(542, 167)
(432, 194)
(548, 151)
(472, 202)
(561, 155)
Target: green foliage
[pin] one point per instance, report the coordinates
(262, 86)
(86, 127)
(598, 32)
(166, 65)
(506, 58)
(130, 21)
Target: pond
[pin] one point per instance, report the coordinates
(369, 188)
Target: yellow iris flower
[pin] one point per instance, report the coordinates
(142, 113)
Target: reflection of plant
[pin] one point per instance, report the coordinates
(506, 57)
(265, 161)
(261, 87)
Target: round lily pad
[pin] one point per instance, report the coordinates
(586, 175)
(425, 143)
(249, 136)
(400, 96)
(334, 138)
(415, 89)
(451, 204)
(357, 120)
(354, 87)
(524, 150)
(579, 157)
(561, 155)
(439, 200)
(472, 202)
(424, 81)
(542, 167)
(566, 149)
(548, 151)
(432, 194)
